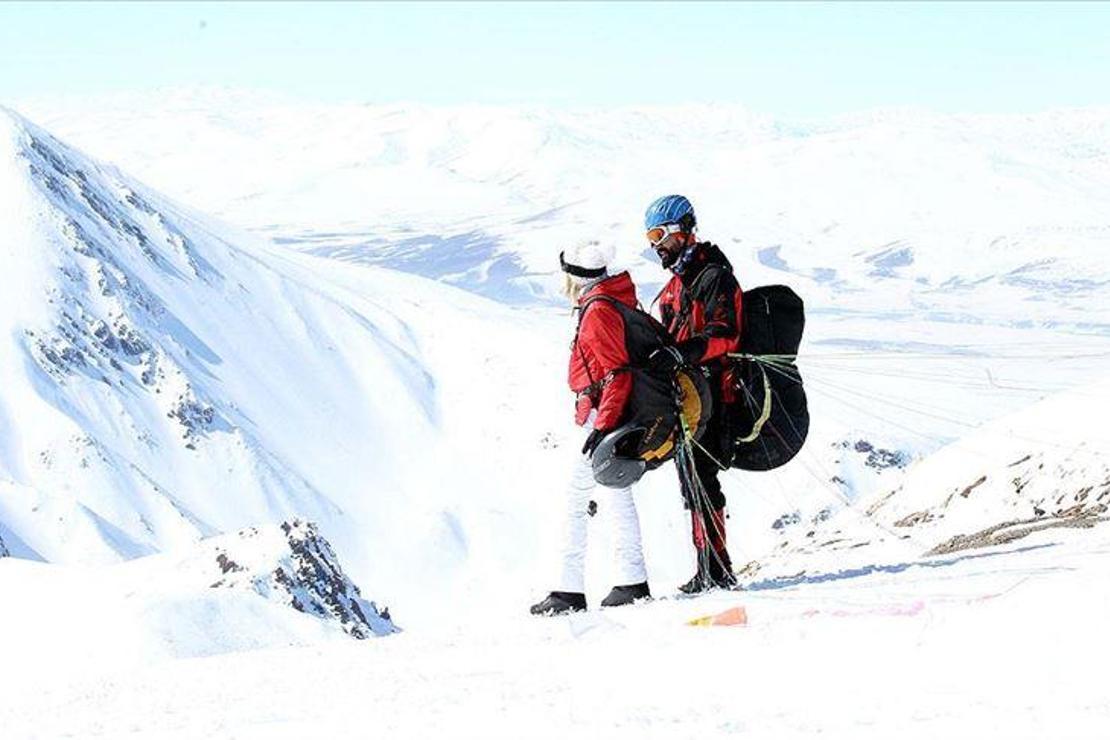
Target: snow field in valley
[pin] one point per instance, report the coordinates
(981, 219)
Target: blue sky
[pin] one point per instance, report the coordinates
(792, 59)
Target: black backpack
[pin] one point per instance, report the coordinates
(653, 405)
(769, 421)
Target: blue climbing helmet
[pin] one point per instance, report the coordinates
(670, 209)
(665, 216)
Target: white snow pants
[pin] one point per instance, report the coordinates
(615, 505)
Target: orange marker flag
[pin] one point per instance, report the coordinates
(737, 615)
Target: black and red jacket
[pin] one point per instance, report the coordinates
(702, 309)
(599, 353)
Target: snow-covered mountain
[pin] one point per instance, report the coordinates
(952, 266)
(165, 378)
(905, 231)
(159, 380)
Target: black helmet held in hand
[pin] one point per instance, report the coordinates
(616, 461)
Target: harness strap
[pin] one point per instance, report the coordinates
(595, 386)
(598, 385)
(765, 414)
(686, 306)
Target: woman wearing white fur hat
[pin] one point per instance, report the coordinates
(599, 355)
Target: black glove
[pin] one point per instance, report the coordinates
(664, 360)
(692, 350)
(591, 442)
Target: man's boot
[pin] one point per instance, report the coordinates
(720, 564)
(560, 602)
(622, 595)
(699, 582)
(714, 563)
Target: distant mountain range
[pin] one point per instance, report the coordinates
(965, 217)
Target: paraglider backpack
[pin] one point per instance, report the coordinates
(768, 417)
(765, 414)
(653, 406)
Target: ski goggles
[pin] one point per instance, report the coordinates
(657, 234)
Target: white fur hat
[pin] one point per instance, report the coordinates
(587, 256)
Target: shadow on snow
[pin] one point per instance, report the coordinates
(803, 579)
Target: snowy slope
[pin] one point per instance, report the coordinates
(165, 378)
(278, 585)
(1046, 467)
(977, 240)
(998, 643)
(157, 379)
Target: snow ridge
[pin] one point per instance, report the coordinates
(1039, 469)
(297, 567)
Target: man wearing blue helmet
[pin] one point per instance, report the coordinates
(701, 307)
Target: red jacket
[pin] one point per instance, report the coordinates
(702, 309)
(599, 352)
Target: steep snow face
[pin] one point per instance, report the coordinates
(163, 380)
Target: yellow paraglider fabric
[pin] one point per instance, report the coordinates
(691, 415)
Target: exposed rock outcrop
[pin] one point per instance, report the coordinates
(293, 564)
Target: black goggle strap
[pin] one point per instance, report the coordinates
(581, 272)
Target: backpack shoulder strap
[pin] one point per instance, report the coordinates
(589, 302)
(687, 301)
(594, 384)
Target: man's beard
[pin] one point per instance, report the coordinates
(667, 257)
(676, 260)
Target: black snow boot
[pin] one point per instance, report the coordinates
(560, 602)
(712, 573)
(714, 563)
(621, 595)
